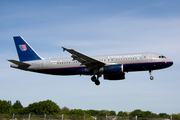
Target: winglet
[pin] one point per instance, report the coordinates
(64, 49)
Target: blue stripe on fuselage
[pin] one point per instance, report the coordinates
(128, 67)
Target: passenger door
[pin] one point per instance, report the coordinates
(149, 55)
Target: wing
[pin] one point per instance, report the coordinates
(89, 62)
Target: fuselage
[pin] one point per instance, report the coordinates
(129, 62)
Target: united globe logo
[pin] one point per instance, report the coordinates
(23, 47)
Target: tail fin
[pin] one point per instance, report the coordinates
(24, 50)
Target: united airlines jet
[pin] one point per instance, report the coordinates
(112, 67)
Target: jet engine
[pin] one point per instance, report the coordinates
(111, 69)
(113, 72)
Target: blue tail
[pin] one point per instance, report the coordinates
(24, 50)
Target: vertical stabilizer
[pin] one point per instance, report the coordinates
(24, 50)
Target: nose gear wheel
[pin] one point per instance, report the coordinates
(151, 77)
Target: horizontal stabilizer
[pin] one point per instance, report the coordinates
(19, 63)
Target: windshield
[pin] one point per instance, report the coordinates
(162, 57)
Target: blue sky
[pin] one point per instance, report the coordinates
(93, 28)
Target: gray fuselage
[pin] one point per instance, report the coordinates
(129, 62)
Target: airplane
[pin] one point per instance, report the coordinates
(112, 67)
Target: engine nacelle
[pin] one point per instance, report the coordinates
(114, 76)
(111, 69)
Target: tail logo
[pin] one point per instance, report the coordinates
(23, 47)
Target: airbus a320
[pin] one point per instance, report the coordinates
(111, 67)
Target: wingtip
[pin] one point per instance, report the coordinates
(64, 49)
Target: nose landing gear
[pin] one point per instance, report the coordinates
(151, 77)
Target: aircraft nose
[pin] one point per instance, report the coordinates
(169, 63)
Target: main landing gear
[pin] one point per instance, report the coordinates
(151, 77)
(95, 80)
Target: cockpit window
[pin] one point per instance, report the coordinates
(162, 57)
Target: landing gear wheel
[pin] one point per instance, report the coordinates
(93, 78)
(151, 77)
(97, 82)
